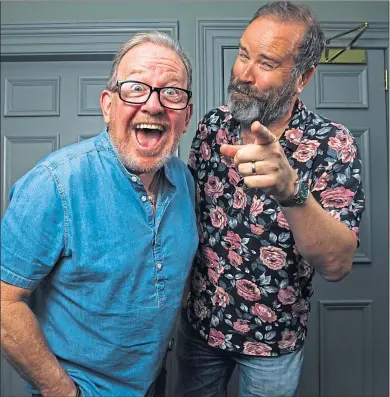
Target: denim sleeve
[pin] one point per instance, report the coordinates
(32, 230)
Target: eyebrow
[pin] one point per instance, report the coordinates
(262, 56)
(173, 78)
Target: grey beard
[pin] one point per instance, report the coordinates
(131, 165)
(247, 104)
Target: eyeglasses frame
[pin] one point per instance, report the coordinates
(152, 89)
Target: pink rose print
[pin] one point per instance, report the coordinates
(339, 197)
(322, 182)
(306, 150)
(221, 136)
(257, 349)
(273, 257)
(343, 143)
(289, 339)
(303, 319)
(338, 126)
(335, 214)
(294, 135)
(227, 160)
(203, 131)
(241, 326)
(234, 259)
(256, 206)
(239, 198)
(264, 313)
(200, 309)
(304, 269)
(257, 229)
(218, 217)
(355, 230)
(211, 258)
(205, 151)
(233, 240)
(192, 159)
(213, 187)
(287, 296)
(213, 276)
(216, 338)
(199, 282)
(282, 222)
(299, 308)
(248, 290)
(221, 297)
(233, 176)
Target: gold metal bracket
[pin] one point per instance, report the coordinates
(362, 28)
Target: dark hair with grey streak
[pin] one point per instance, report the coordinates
(154, 37)
(313, 41)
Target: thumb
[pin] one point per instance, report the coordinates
(263, 136)
(230, 150)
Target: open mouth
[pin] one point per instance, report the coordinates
(148, 135)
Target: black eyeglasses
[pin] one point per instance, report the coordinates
(136, 92)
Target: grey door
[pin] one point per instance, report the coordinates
(348, 344)
(45, 106)
(347, 348)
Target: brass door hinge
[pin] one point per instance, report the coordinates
(386, 80)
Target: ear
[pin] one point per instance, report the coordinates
(105, 104)
(304, 79)
(189, 110)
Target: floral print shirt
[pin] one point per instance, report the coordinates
(250, 286)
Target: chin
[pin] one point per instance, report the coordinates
(146, 164)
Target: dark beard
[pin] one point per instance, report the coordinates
(247, 104)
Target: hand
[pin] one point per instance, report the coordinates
(273, 172)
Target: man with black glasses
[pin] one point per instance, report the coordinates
(92, 270)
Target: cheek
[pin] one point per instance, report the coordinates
(124, 114)
(178, 123)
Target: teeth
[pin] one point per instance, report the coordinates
(150, 126)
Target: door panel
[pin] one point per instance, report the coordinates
(347, 346)
(45, 106)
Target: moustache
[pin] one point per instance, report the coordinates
(245, 89)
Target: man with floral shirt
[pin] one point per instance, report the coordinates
(279, 196)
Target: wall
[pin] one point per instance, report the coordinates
(187, 12)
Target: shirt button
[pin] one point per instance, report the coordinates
(134, 178)
(159, 266)
(144, 198)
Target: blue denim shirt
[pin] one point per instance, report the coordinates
(108, 274)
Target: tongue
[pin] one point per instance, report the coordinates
(148, 138)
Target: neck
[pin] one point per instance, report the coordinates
(147, 179)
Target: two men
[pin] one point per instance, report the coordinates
(279, 196)
(88, 238)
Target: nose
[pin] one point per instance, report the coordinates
(247, 75)
(153, 105)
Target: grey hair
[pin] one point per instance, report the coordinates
(154, 37)
(313, 41)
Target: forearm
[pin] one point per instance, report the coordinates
(24, 346)
(324, 242)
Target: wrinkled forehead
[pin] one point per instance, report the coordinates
(274, 34)
(153, 59)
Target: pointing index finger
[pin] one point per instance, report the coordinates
(263, 135)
